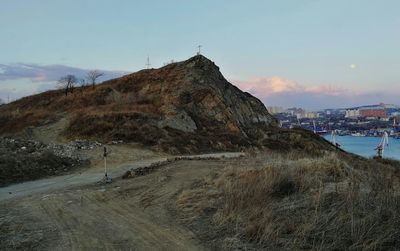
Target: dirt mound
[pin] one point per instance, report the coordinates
(22, 160)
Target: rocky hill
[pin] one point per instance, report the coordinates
(182, 107)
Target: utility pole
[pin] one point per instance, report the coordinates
(148, 62)
(199, 51)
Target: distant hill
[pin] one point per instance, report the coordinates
(377, 106)
(182, 107)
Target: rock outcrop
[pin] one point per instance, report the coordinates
(194, 95)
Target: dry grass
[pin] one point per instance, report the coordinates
(37, 109)
(126, 125)
(290, 202)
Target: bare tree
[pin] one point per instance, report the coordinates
(2, 102)
(92, 76)
(67, 83)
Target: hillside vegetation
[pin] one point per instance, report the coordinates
(298, 202)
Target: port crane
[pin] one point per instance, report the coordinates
(381, 146)
(318, 130)
(333, 138)
(315, 127)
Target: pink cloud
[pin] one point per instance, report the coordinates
(288, 93)
(265, 87)
(327, 90)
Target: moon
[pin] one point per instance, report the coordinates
(353, 66)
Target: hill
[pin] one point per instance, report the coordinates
(183, 107)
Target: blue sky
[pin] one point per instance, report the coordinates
(293, 53)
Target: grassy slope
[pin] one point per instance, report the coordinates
(292, 202)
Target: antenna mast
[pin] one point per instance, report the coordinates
(148, 65)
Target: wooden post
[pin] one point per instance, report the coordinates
(105, 161)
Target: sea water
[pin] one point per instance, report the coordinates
(365, 146)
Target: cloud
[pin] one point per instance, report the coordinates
(22, 79)
(265, 87)
(279, 91)
(46, 73)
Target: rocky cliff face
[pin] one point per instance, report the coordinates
(194, 96)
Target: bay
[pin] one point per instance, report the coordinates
(365, 146)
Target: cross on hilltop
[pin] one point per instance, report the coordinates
(199, 51)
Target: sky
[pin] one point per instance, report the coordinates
(305, 53)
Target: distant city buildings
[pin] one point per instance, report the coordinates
(366, 119)
(308, 115)
(352, 113)
(373, 113)
(294, 111)
(381, 112)
(275, 109)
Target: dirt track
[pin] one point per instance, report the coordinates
(121, 159)
(133, 214)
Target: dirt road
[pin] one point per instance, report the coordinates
(73, 213)
(92, 175)
(121, 159)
